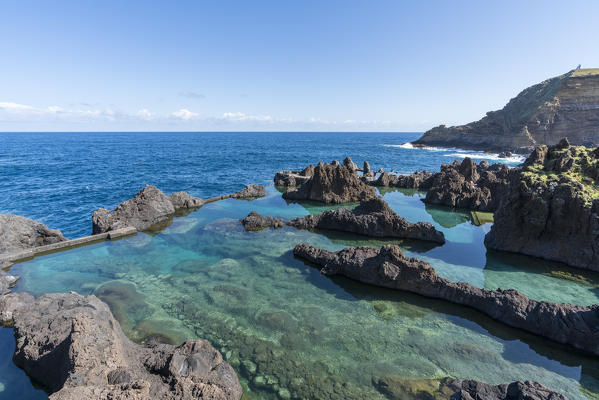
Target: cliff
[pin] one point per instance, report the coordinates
(564, 106)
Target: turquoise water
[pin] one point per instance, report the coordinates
(284, 327)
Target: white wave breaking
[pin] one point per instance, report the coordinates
(461, 153)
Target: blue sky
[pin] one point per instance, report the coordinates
(279, 65)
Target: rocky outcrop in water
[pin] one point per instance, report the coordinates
(566, 105)
(397, 388)
(149, 207)
(185, 201)
(73, 346)
(388, 267)
(372, 218)
(19, 233)
(250, 192)
(256, 221)
(332, 184)
(552, 206)
(461, 184)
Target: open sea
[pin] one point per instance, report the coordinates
(287, 330)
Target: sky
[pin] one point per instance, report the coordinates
(347, 65)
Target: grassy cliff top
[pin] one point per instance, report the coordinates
(585, 72)
(577, 163)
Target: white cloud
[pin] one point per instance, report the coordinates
(16, 108)
(185, 114)
(144, 113)
(240, 117)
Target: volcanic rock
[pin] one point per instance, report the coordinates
(6, 282)
(250, 192)
(551, 207)
(73, 346)
(388, 267)
(183, 201)
(255, 222)
(19, 233)
(332, 184)
(372, 218)
(149, 207)
(541, 114)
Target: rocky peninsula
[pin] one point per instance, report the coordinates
(372, 218)
(388, 267)
(551, 207)
(564, 106)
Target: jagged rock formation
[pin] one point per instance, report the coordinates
(551, 208)
(184, 201)
(6, 282)
(255, 222)
(397, 388)
(19, 233)
(73, 346)
(388, 267)
(461, 184)
(564, 106)
(149, 207)
(250, 192)
(371, 218)
(293, 178)
(332, 184)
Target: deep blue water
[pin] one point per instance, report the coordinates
(61, 178)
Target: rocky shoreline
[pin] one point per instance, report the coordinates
(388, 267)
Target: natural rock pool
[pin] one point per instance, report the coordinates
(291, 332)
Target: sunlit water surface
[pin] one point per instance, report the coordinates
(287, 329)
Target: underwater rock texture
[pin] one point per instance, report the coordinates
(255, 221)
(332, 183)
(149, 207)
(371, 218)
(388, 267)
(73, 346)
(550, 210)
(397, 388)
(541, 114)
(19, 233)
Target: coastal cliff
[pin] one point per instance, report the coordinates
(564, 106)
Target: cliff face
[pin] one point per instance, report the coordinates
(564, 106)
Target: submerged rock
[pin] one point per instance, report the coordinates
(250, 192)
(183, 201)
(20, 233)
(332, 184)
(397, 388)
(255, 221)
(388, 267)
(551, 207)
(371, 218)
(73, 346)
(149, 207)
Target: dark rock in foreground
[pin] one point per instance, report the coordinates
(541, 114)
(332, 183)
(551, 208)
(255, 222)
(19, 233)
(563, 323)
(372, 218)
(397, 388)
(73, 346)
(149, 207)
(250, 192)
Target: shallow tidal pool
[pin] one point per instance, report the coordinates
(291, 332)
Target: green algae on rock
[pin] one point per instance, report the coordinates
(550, 209)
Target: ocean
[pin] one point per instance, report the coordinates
(285, 328)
